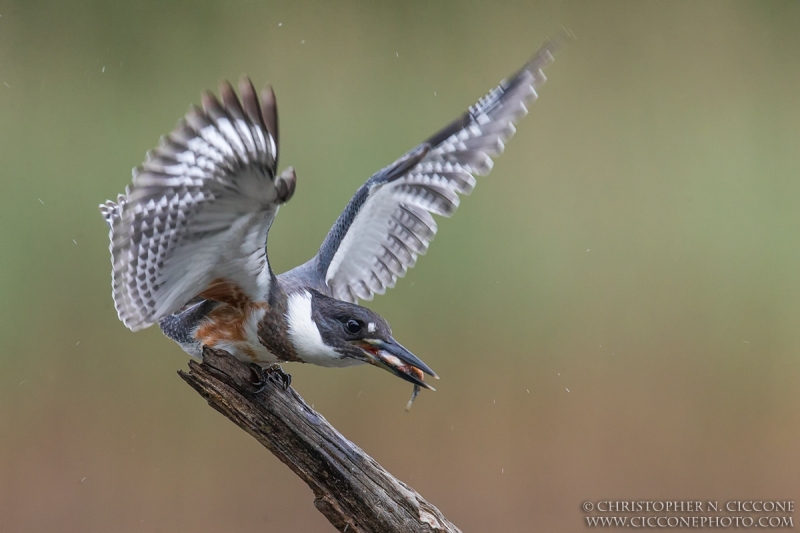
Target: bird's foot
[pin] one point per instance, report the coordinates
(276, 373)
(258, 379)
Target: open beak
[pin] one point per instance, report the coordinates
(392, 356)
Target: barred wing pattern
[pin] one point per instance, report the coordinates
(389, 222)
(199, 209)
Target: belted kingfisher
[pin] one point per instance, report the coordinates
(188, 237)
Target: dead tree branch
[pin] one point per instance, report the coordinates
(351, 489)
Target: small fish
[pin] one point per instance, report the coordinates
(413, 397)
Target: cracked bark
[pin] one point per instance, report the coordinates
(351, 489)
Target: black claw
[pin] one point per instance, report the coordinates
(258, 378)
(276, 373)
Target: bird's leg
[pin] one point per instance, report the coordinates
(275, 372)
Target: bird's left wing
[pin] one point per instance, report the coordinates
(388, 222)
(196, 218)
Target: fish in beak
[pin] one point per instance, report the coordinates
(394, 357)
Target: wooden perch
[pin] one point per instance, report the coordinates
(351, 489)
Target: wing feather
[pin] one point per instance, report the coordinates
(388, 223)
(199, 209)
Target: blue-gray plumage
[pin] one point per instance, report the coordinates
(334, 238)
(188, 238)
(181, 326)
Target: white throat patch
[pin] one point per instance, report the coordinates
(305, 336)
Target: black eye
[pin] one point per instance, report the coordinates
(353, 326)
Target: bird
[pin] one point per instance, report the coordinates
(188, 238)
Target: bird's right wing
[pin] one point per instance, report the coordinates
(389, 222)
(195, 220)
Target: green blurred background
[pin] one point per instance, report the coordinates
(614, 311)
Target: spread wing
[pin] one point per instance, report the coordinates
(389, 222)
(198, 212)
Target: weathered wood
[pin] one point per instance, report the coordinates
(351, 489)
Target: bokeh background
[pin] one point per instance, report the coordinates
(614, 311)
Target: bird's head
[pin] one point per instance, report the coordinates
(330, 332)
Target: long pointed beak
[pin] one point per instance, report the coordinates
(394, 357)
